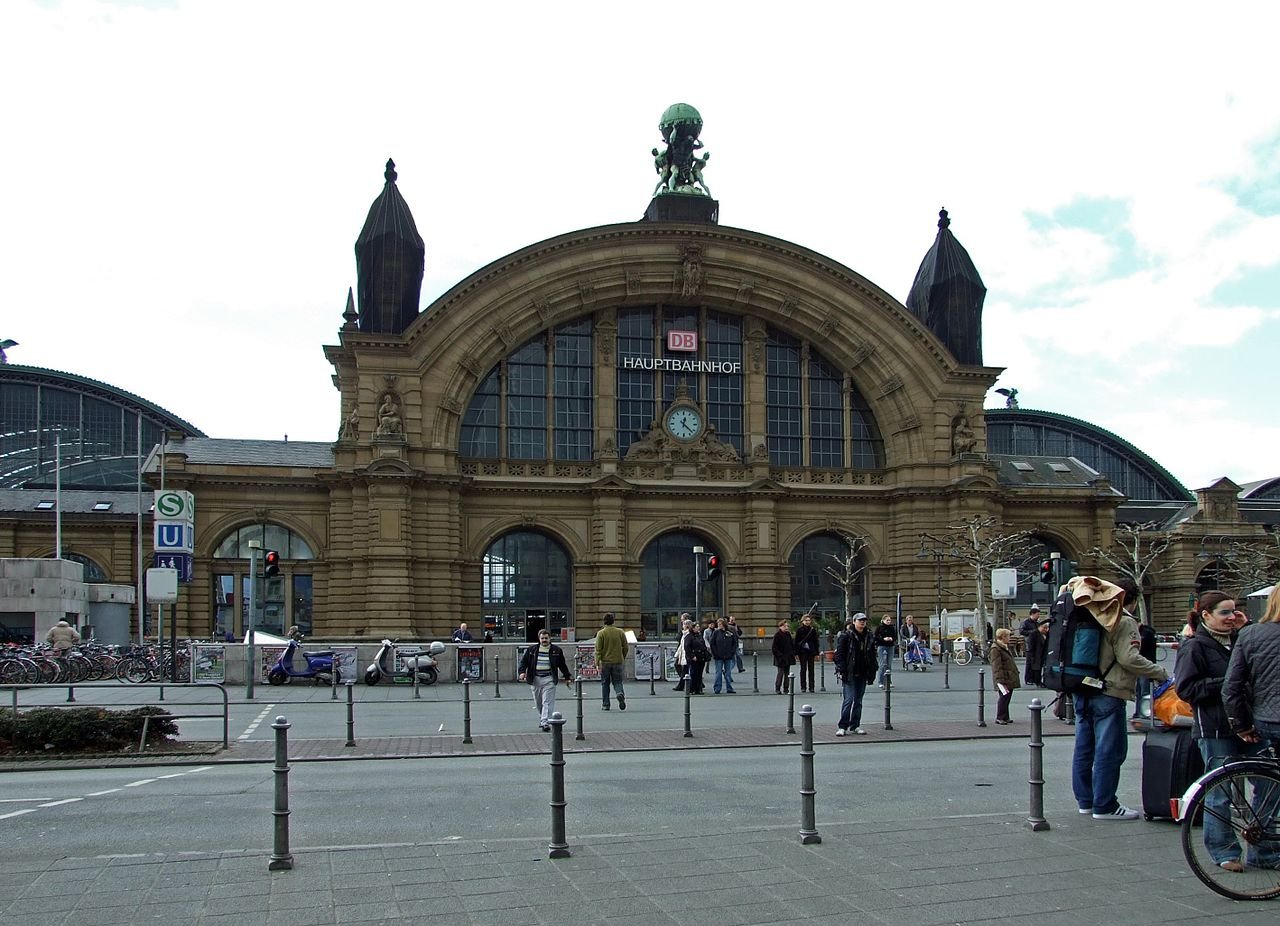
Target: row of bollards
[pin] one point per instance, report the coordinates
(282, 859)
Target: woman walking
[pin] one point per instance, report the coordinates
(1004, 675)
(807, 646)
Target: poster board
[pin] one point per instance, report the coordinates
(208, 662)
(344, 658)
(648, 661)
(584, 661)
(470, 663)
(267, 657)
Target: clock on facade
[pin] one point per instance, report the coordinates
(684, 422)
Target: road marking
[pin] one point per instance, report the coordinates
(135, 784)
(21, 800)
(18, 813)
(100, 793)
(253, 727)
(73, 800)
(65, 800)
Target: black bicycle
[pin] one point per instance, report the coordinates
(1244, 797)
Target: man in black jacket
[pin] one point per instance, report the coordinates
(855, 666)
(538, 667)
(886, 642)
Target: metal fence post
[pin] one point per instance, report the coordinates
(808, 820)
(1035, 818)
(559, 846)
(653, 672)
(888, 699)
(351, 714)
(822, 670)
(416, 694)
(281, 859)
(578, 694)
(466, 710)
(982, 697)
(688, 707)
(497, 677)
(791, 709)
(755, 671)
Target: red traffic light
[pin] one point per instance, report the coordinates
(713, 566)
(271, 564)
(1046, 572)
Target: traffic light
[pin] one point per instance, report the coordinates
(271, 564)
(713, 566)
(1046, 572)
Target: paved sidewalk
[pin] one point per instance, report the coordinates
(950, 870)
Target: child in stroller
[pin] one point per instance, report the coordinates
(916, 655)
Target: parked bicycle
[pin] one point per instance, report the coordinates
(1244, 794)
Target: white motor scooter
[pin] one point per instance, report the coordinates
(393, 662)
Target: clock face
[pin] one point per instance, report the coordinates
(684, 423)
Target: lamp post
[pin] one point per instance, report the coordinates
(698, 553)
(939, 549)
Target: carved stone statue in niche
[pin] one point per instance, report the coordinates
(691, 270)
(390, 424)
(963, 438)
(350, 429)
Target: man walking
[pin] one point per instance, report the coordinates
(855, 667)
(886, 641)
(611, 652)
(538, 667)
(724, 646)
(737, 632)
(1102, 739)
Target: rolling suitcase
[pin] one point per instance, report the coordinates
(1170, 762)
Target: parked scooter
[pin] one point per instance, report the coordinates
(424, 661)
(319, 664)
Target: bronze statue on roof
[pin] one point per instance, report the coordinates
(679, 171)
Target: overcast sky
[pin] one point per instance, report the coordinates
(184, 181)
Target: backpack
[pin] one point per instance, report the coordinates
(1073, 649)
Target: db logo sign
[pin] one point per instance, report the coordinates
(682, 341)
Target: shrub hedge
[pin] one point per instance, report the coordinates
(81, 729)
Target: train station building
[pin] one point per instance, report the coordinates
(552, 437)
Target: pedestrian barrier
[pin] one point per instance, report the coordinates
(1035, 818)
(808, 788)
(982, 697)
(281, 857)
(466, 708)
(888, 699)
(791, 706)
(559, 845)
(351, 714)
(688, 710)
(578, 686)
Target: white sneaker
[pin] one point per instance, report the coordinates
(840, 731)
(1085, 810)
(1120, 813)
(860, 731)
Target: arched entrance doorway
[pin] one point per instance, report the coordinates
(525, 586)
(668, 585)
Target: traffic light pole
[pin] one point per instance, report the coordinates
(698, 553)
(250, 655)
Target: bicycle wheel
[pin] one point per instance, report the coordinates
(1238, 809)
(962, 657)
(135, 669)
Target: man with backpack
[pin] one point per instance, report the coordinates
(1093, 656)
(856, 665)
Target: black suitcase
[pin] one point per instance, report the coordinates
(1170, 762)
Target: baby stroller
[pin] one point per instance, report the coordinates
(916, 656)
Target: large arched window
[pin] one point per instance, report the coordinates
(668, 584)
(537, 403)
(526, 586)
(286, 600)
(813, 587)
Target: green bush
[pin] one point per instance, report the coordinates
(81, 729)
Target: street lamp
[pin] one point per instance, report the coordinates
(939, 549)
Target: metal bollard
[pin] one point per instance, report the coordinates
(71, 694)
(755, 672)
(791, 707)
(497, 677)
(653, 672)
(578, 686)
(466, 710)
(982, 697)
(333, 681)
(281, 859)
(808, 820)
(688, 706)
(558, 847)
(888, 699)
(1035, 818)
(946, 667)
(415, 679)
(822, 670)
(351, 714)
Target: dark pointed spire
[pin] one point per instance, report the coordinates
(390, 258)
(948, 294)
(349, 316)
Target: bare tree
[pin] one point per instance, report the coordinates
(1134, 553)
(848, 569)
(1250, 565)
(981, 546)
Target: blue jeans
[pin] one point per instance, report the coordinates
(885, 656)
(1219, 837)
(724, 670)
(1102, 742)
(610, 672)
(851, 706)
